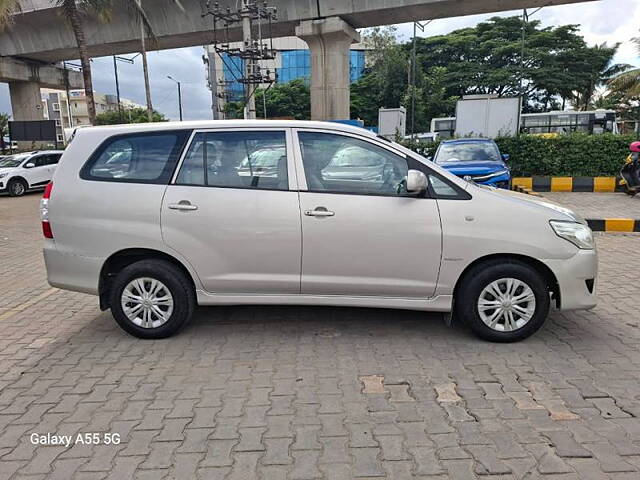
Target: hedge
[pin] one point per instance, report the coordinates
(573, 155)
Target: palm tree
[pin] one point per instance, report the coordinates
(146, 31)
(628, 83)
(74, 11)
(7, 9)
(600, 70)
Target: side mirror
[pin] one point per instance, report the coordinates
(506, 157)
(30, 165)
(416, 181)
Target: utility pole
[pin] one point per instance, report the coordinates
(251, 51)
(66, 87)
(525, 23)
(250, 103)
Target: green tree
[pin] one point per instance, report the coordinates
(384, 83)
(291, 100)
(628, 83)
(129, 115)
(487, 59)
(4, 128)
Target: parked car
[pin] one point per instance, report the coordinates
(22, 172)
(477, 159)
(181, 225)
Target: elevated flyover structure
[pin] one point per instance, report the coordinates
(328, 27)
(25, 78)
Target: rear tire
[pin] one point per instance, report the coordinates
(503, 300)
(152, 299)
(17, 187)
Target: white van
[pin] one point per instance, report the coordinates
(156, 218)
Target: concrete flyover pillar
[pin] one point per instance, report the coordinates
(26, 102)
(329, 41)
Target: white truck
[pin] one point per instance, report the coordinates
(487, 116)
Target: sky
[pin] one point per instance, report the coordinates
(609, 21)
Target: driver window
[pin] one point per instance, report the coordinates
(337, 163)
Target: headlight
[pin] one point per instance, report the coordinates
(577, 233)
(2, 175)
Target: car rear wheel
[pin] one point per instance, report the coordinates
(17, 188)
(503, 300)
(152, 299)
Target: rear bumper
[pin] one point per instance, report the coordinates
(72, 272)
(577, 280)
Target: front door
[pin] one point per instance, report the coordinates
(39, 175)
(363, 235)
(230, 213)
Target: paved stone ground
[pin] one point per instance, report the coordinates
(303, 393)
(598, 205)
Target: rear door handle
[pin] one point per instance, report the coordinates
(183, 205)
(319, 212)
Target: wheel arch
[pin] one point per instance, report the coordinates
(123, 258)
(18, 178)
(546, 273)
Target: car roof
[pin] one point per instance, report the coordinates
(229, 124)
(468, 140)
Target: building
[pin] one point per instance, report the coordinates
(57, 107)
(292, 61)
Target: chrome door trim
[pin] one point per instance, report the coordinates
(291, 167)
(302, 179)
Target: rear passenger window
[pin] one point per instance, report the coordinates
(139, 158)
(236, 159)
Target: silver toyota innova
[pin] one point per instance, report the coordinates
(156, 218)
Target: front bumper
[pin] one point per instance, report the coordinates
(577, 280)
(503, 181)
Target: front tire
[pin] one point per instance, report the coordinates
(152, 299)
(17, 188)
(503, 300)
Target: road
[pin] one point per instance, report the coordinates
(303, 393)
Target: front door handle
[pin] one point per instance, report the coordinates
(183, 205)
(319, 212)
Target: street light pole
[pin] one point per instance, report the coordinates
(115, 71)
(179, 95)
(421, 26)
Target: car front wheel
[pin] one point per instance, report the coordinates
(503, 300)
(152, 299)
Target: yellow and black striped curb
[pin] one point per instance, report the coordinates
(567, 184)
(614, 224)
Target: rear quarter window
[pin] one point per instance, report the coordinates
(145, 157)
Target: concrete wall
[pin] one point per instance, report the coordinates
(37, 34)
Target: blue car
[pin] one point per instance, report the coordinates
(476, 159)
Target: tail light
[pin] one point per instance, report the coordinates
(44, 211)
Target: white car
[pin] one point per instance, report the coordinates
(156, 218)
(22, 172)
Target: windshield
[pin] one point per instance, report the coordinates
(467, 152)
(12, 161)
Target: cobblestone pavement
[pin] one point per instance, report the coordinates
(304, 393)
(598, 205)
